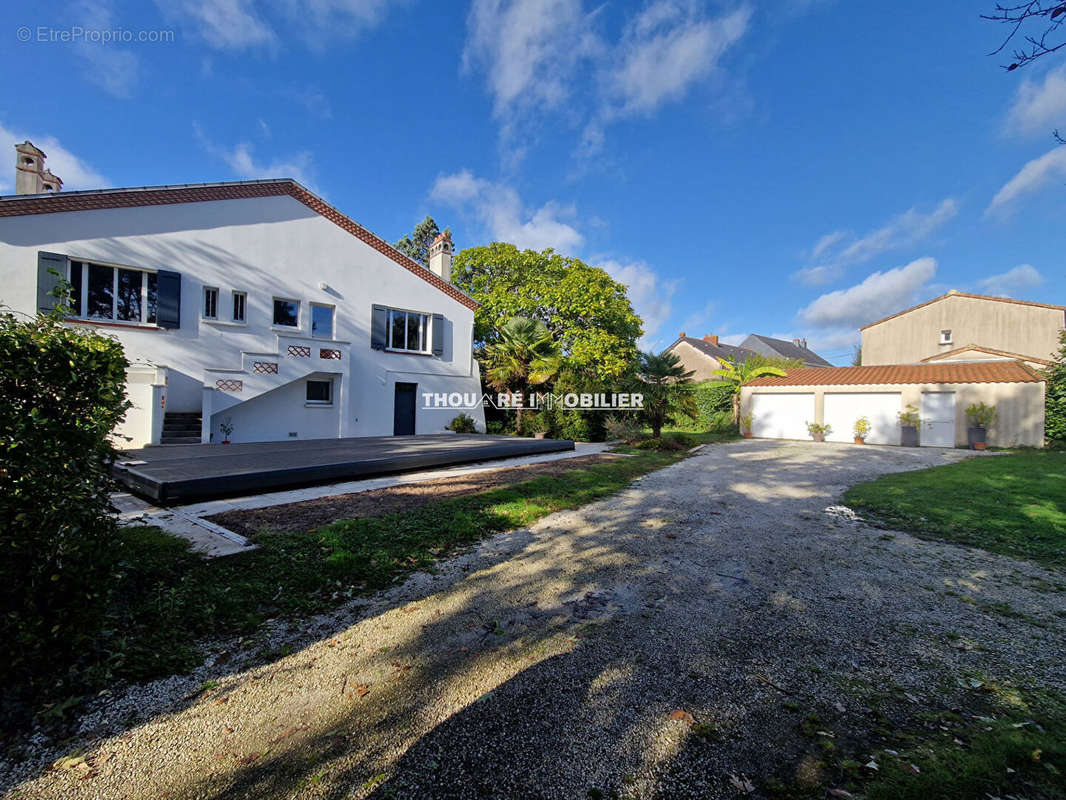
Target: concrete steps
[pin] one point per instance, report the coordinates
(181, 427)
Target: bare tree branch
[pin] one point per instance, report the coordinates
(1032, 14)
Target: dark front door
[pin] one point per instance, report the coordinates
(403, 423)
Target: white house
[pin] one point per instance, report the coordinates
(253, 304)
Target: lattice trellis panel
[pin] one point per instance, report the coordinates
(228, 385)
(299, 351)
(326, 353)
(265, 368)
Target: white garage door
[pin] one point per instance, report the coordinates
(781, 416)
(843, 408)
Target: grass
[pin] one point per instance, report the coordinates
(1012, 504)
(171, 597)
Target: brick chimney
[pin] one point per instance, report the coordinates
(31, 177)
(440, 256)
(682, 335)
(710, 338)
(800, 343)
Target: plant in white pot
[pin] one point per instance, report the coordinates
(909, 422)
(861, 429)
(982, 417)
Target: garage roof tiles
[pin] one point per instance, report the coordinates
(948, 372)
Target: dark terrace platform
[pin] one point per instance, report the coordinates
(187, 472)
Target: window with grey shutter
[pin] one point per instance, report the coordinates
(438, 335)
(168, 303)
(379, 327)
(51, 272)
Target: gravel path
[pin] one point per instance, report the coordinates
(548, 663)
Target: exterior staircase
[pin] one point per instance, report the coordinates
(181, 427)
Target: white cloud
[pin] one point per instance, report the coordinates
(242, 161)
(880, 294)
(839, 250)
(503, 215)
(665, 50)
(1024, 276)
(1030, 178)
(1039, 107)
(114, 69)
(650, 295)
(250, 24)
(73, 171)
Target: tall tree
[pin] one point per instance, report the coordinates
(1055, 395)
(736, 374)
(523, 355)
(667, 389)
(586, 311)
(416, 245)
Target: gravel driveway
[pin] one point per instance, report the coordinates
(547, 663)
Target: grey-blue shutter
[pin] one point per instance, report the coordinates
(51, 272)
(379, 321)
(168, 304)
(438, 335)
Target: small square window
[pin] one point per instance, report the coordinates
(287, 313)
(320, 392)
(239, 302)
(210, 302)
(945, 337)
(322, 321)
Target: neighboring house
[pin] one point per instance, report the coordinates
(965, 327)
(838, 396)
(796, 349)
(703, 356)
(253, 303)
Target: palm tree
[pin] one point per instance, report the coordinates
(737, 373)
(523, 355)
(667, 387)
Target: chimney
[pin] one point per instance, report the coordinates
(31, 177)
(682, 335)
(710, 338)
(440, 256)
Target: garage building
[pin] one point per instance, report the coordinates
(781, 407)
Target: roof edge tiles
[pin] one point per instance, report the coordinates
(945, 372)
(968, 295)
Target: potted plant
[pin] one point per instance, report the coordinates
(982, 417)
(862, 427)
(226, 426)
(909, 422)
(745, 424)
(817, 431)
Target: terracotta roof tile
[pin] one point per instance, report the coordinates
(20, 205)
(945, 372)
(989, 351)
(955, 293)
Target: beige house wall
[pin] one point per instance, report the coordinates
(1020, 406)
(977, 355)
(907, 339)
(701, 364)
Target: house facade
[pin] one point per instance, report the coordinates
(252, 305)
(703, 356)
(964, 327)
(780, 348)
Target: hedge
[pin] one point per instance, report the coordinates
(713, 399)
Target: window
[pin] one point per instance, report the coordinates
(240, 300)
(408, 330)
(287, 313)
(945, 337)
(210, 302)
(322, 321)
(320, 393)
(125, 294)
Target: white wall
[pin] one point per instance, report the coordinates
(268, 247)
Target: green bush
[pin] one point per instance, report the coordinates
(1055, 398)
(61, 395)
(713, 398)
(463, 423)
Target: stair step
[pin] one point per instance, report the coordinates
(179, 440)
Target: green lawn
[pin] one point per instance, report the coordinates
(1011, 504)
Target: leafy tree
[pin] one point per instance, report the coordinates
(584, 309)
(416, 245)
(780, 362)
(736, 374)
(667, 388)
(856, 359)
(1055, 395)
(523, 355)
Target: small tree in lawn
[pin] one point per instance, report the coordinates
(667, 389)
(1055, 395)
(523, 355)
(736, 374)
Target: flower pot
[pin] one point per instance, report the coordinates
(859, 440)
(747, 434)
(818, 437)
(540, 434)
(908, 435)
(225, 441)
(976, 436)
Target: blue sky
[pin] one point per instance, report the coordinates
(792, 168)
